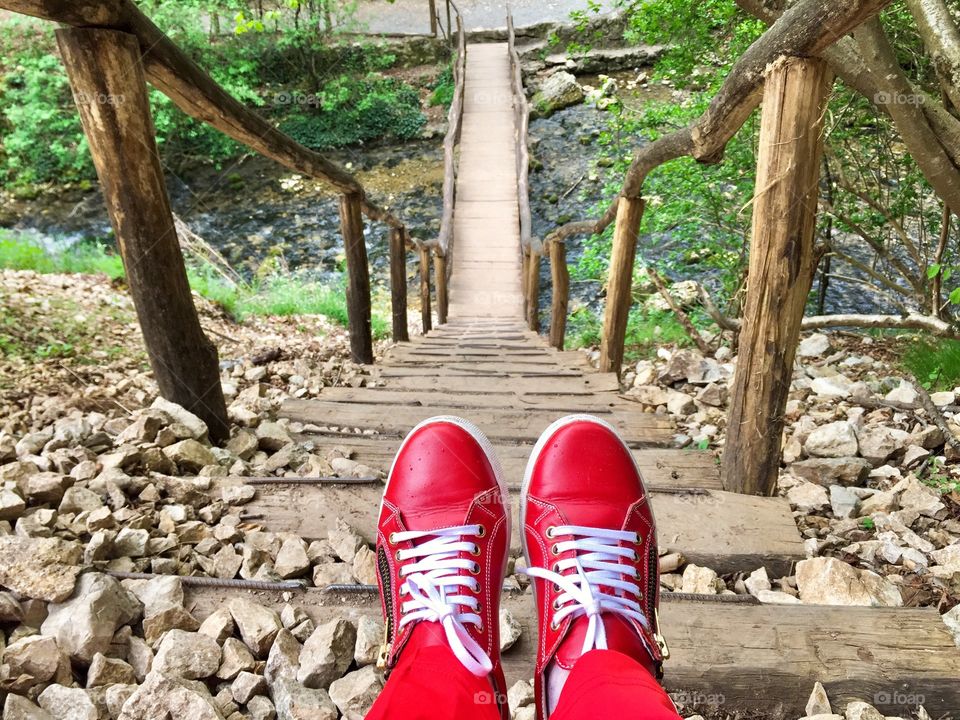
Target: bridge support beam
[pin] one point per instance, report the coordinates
(398, 285)
(425, 314)
(560, 279)
(782, 265)
(531, 281)
(620, 283)
(110, 91)
(440, 278)
(358, 278)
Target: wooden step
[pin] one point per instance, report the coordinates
(567, 383)
(506, 424)
(596, 403)
(744, 657)
(725, 531)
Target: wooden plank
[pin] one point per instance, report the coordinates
(725, 531)
(637, 429)
(597, 403)
(746, 657)
(662, 468)
(401, 379)
(470, 370)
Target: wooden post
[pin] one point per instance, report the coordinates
(781, 269)
(620, 283)
(398, 284)
(560, 276)
(440, 278)
(433, 17)
(425, 289)
(111, 94)
(453, 43)
(533, 291)
(358, 278)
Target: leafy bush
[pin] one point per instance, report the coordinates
(443, 88)
(934, 362)
(354, 110)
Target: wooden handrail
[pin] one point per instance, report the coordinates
(174, 74)
(450, 142)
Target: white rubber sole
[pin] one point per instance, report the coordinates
(482, 440)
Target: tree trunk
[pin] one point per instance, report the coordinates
(111, 94)
(560, 275)
(433, 17)
(398, 285)
(941, 38)
(425, 314)
(782, 265)
(620, 283)
(358, 279)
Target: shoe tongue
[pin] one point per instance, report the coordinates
(621, 637)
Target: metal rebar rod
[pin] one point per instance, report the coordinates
(201, 581)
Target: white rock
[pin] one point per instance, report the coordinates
(258, 625)
(196, 426)
(843, 501)
(699, 580)
(292, 560)
(878, 443)
(510, 630)
(836, 439)
(776, 597)
(882, 501)
(948, 559)
(835, 386)
(905, 393)
(828, 581)
(520, 695)
(365, 566)
(355, 693)
(815, 345)
(369, 638)
(327, 653)
(178, 698)
(808, 497)
(295, 702)
(190, 655)
(818, 704)
(235, 657)
(68, 703)
(859, 710)
(247, 685)
(34, 656)
(85, 624)
(952, 620)
(345, 541)
(941, 399)
(757, 581)
(18, 707)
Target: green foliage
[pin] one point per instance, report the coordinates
(935, 362)
(353, 110)
(443, 88)
(647, 330)
(867, 523)
(273, 294)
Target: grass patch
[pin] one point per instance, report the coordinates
(647, 330)
(277, 294)
(934, 362)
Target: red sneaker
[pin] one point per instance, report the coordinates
(590, 543)
(442, 541)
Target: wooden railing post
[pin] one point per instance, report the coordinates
(111, 94)
(532, 281)
(425, 314)
(433, 17)
(358, 278)
(560, 277)
(398, 285)
(620, 283)
(781, 269)
(440, 278)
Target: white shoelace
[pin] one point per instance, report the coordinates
(597, 564)
(434, 581)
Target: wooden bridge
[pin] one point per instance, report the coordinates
(486, 360)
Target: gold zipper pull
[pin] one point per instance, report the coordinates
(384, 651)
(660, 639)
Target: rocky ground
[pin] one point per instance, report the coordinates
(99, 479)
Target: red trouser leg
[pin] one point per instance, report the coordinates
(608, 684)
(429, 683)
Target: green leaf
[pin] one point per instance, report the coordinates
(947, 274)
(933, 271)
(955, 296)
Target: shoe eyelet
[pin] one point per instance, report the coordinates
(556, 588)
(555, 549)
(480, 628)
(556, 604)
(476, 551)
(483, 531)
(392, 539)
(396, 556)
(554, 625)
(475, 569)
(556, 568)
(550, 531)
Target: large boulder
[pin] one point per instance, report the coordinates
(558, 91)
(189, 655)
(829, 581)
(355, 693)
(162, 697)
(833, 440)
(327, 653)
(40, 568)
(85, 624)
